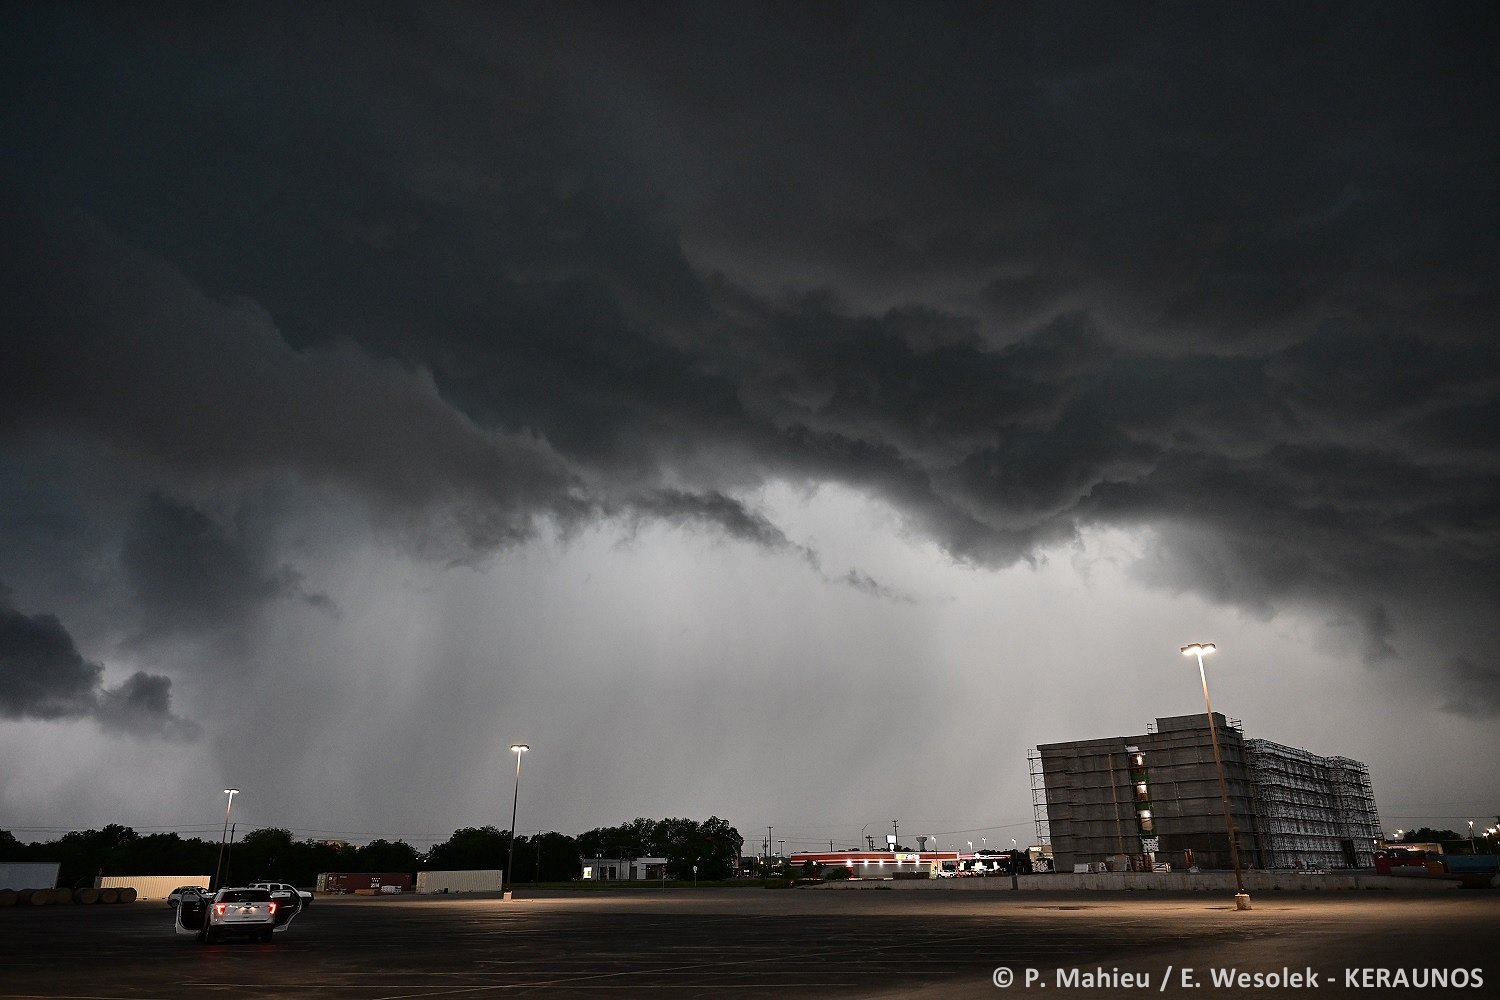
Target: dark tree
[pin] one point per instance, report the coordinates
(552, 857)
(385, 856)
(11, 849)
(712, 845)
(481, 847)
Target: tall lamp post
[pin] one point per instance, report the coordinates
(1200, 650)
(219, 864)
(510, 866)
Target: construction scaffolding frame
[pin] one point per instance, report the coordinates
(1314, 812)
(1038, 798)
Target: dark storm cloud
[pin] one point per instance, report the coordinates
(727, 514)
(733, 519)
(1224, 272)
(113, 344)
(43, 676)
(143, 705)
(194, 576)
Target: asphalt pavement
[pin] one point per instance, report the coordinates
(747, 943)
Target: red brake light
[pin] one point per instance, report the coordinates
(271, 907)
(219, 908)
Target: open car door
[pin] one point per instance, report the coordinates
(288, 905)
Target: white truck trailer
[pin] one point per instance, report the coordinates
(149, 886)
(19, 875)
(475, 880)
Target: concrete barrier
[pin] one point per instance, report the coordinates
(1255, 882)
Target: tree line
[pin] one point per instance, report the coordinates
(274, 854)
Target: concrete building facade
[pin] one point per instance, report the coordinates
(1155, 799)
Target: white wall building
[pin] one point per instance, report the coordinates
(623, 869)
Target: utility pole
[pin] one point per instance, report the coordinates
(896, 833)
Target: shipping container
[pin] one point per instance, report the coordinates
(149, 886)
(20, 875)
(477, 880)
(339, 883)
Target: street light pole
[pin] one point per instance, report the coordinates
(219, 865)
(510, 866)
(1199, 649)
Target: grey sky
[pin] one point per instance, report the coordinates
(785, 415)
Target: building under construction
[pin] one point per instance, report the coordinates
(1314, 812)
(1155, 799)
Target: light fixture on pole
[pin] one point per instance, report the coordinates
(1200, 650)
(510, 866)
(218, 865)
(1471, 836)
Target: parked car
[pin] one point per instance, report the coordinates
(175, 896)
(302, 894)
(253, 912)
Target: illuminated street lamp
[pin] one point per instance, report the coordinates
(510, 866)
(218, 865)
(1200, 650)
(1471, 836)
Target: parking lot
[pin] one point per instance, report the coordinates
(754, 942)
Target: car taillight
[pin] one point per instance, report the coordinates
(271, 908)
(219, 908)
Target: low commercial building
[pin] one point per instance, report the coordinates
(877, 864)
(623, 869)
(1154, 799)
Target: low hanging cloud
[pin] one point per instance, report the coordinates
(43, 676)
(190, 574)
(735, 520)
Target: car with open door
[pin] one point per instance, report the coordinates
(175, 896)
(304, 894)
(258, 914)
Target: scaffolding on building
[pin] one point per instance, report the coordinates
(1314, 812)
(1038, 797)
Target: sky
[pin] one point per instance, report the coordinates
(789, 414)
